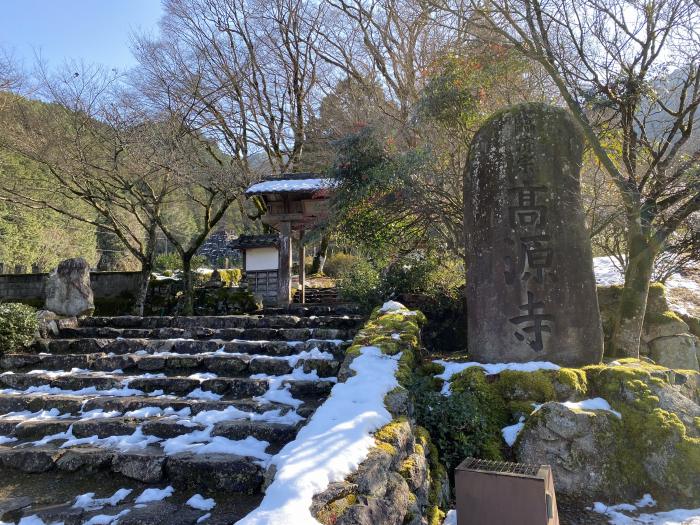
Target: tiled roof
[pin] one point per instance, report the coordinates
(291, 183)
(254, 241)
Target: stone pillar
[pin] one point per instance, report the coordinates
(302, 269)
(531, 292)
(284, 272)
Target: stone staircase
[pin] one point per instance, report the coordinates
(318, 295)
(196, 403)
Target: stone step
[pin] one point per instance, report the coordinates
(265, 334)
(230, 321)
(184, 346)
(213, 471)
(163, 427)
(233, 388)
(51, 495)
(229, 387)
(177, 364)
(118, 388)
(75, 405)
(307, 310)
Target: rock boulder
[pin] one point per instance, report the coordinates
(675, 351)
(576, 443)
(68, 291)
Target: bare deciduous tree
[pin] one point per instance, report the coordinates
(200, 181)
(85, 145)
(393, 43)
(247, 68)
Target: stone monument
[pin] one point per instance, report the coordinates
(531, 292)
(68, 291)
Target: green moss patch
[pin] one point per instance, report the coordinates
(535, 386)
(647, 431)
(330, 513)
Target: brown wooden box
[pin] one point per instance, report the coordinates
(501, 493)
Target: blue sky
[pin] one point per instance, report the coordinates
(91, 30)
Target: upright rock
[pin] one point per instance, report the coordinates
(68, 290)
(531, 292)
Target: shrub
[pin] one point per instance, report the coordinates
(231, 277)
(172, 261)
(361, 285)
(435, 287)
(466, 423)
(461, 425)
(18, 324)
(420, 274)
(341, 264)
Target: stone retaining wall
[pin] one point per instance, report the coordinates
(107, 287)
(401, 481)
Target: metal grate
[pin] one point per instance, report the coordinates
(486, 465)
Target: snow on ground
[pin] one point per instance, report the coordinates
(106, 519)
(392, 306)
(52, 390)
(146, 412)
(149, 495)
(452, 368)
(199, 502)
(197, 441)
(597, 403)
(332, 444)
(683, 292)
(630, 514)
(88, 501)
(27, 415)
(510, 433)
(198, 393)
(278, 390)
(293, 359)
(32, 520)
(273, 186)
(202, 442)
(451, 518)
(606, 273)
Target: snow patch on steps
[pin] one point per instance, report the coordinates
(332, 444)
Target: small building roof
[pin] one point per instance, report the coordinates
(292, 183)
(245, 242)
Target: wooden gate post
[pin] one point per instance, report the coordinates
(302, 269)
(284, 281)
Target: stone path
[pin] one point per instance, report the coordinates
(199, 404)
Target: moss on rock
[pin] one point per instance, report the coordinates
(653, 445)
(396, 433)
(525, 386)
(330, 512)
(570, 383)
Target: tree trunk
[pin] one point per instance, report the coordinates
(146, 269)
(320, 258)
(188, 305)
(627, 331)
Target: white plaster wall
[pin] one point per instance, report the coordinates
(261, 259)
